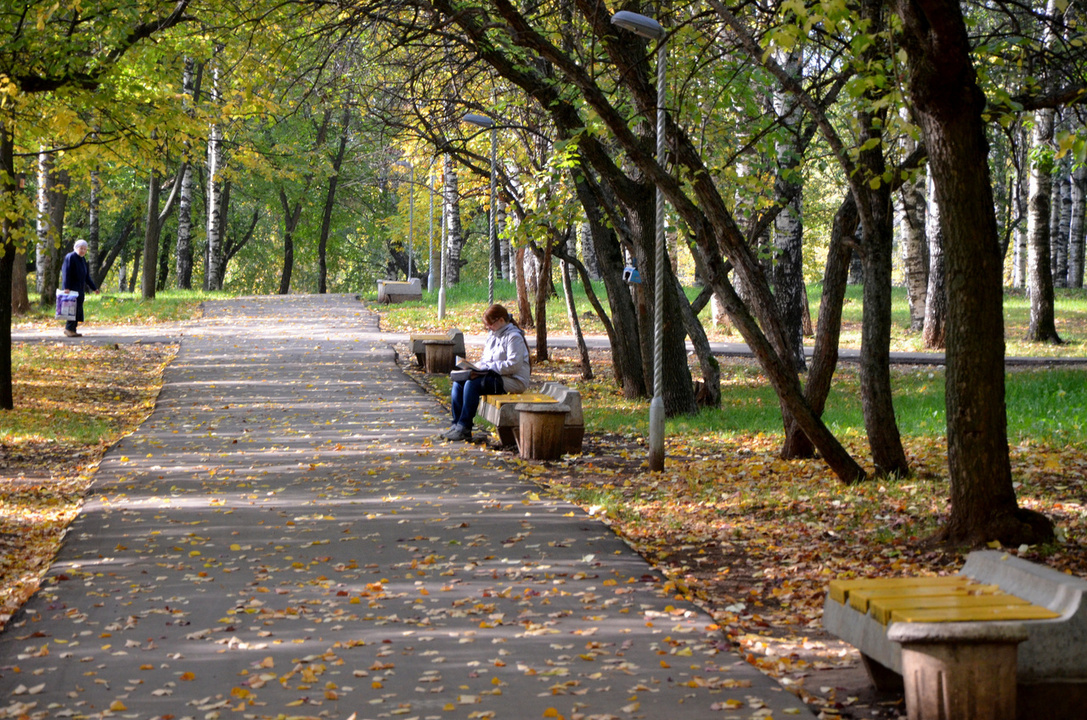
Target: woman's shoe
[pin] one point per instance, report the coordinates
(458, 434)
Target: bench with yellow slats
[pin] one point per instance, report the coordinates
(934, 599)
(992, 586)
(500, 411)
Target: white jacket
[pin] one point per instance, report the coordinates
(506, 353)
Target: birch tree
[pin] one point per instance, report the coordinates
(1042, 326)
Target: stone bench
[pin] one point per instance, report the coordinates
(503, 412)
(396, 291)
(417, 343)
(997, 601)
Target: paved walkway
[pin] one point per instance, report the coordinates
(284, 537)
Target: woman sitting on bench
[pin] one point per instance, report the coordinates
(504, 368)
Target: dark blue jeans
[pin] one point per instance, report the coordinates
(466, 394)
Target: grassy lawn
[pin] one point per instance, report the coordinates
(117, 308)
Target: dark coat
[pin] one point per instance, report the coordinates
(75, 275)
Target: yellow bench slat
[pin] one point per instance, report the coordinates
(883, 609)
(500, 400)
(840, 589)
(973, 614)
(862, 599)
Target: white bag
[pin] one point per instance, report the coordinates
(67, 303)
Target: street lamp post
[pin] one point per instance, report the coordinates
(486, 122)
(441, 255)
(430, 242)
(649, 28)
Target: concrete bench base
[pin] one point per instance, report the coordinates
(396, 291)
(540, 432)
(501, 411)
(418, 343)
(439, 356)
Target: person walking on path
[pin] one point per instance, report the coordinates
(504, 368)
(75, 276)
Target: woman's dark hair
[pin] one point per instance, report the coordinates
(497, 312)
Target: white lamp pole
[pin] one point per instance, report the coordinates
(441, 262)
(430, 242)
(650, 28)
(483, 121)
(411, 216)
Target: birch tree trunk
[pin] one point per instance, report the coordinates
(914, 249)
(588, 252)
(933, 335)
(52, 201)
(1076, 226)
(454, 230)
(213, 253)
(1043, 326)
(788, 271)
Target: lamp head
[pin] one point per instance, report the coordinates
(647, 27)
(480, 120)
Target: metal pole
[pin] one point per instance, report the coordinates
(656, 407)
(492, 221)
(411, 216)
(430, 242)
(441, 254)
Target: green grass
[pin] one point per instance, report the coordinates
(117, 308)
(1045, 405)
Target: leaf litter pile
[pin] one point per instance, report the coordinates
(72, 403)
(754, 539)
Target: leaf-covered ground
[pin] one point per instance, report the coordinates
(72, 402)
(754, 539)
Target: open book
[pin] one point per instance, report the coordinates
(466, 364)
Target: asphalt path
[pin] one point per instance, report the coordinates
(285, 536)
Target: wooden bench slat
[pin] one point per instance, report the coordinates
(883, 609)
(840, 589)
(862, 599)
(975, 614)
(500, 400)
